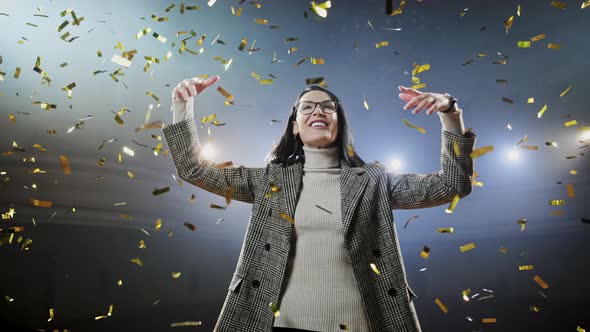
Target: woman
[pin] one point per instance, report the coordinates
(311, 261)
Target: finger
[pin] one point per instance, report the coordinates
(203, 84)
(405, 97)
(432, 108)
(183, 93)
(414, 101)
(410, 91)
(421, 105)
(192, 91)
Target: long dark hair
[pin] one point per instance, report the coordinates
(290, 149)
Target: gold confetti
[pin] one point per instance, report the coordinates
(286, 217)
(558, 4)
(374, 267)
(503, 250)
(530, 100)
(508, 23)
(344, 327)
(350, 150)
(418, 86)
(465, 293)
(522, 223)
(524, 44)
(225, 93)
(540, 282)
(160, 191)
(570, 189)
(441, 305)
(446, 230)
(16, 72)
(420, 129)
(389, 8)
(65, 165)
(565, 91)
(557, 213)
(488, 320)
(535, 309)
(110, 310)
(315, 80)
(538, 37)
(236, 12)
(208, 118)
(467, 247)
(39, 203)
(365, 103)
(540, 114)
(143, 32)
(570, 123)
(557, 202)
(189, 323)
(228, 194)
(142, 244)
(137, 261)
(317, 61)
(420, 68)
(274, 308)
(456, 148)
(579, 328)
(553, 144)
(481, 151)
(382, 44)
(50, 315)
(525, 267)
(585, 4)
(260, 21)
(553, 46)
(321, 8)
(190, 226)
(120, 282)
(161, 39)
(158, 224)
(291, 39)
(573, 171)
(453, 204)
(101, 162)
(100, 317)
(176, 275)
(425, 252)
(121, 61)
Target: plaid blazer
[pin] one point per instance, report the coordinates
(368, 196)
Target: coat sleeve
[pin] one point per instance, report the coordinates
(183, 141)
(416, 191)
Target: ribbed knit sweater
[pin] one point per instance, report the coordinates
(319, 291)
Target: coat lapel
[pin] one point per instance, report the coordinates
(353, 181)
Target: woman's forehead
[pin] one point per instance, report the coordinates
(315, 95)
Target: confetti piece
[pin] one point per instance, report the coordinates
(226, 94)
(389, 8)
(465, 293)
(100, 317)
(570, 189)
(467, 247)
(142, 244)
(538, 37)
(410, 219)
(215, 206)
(503, 250)
(176, 275)
(160, 191)
(274, 308)
(382, 44)
(120, 283)
(585, 4)
(556, 202)
(321, 9)
(425, 253)
(441, 305)
(481, 151)
(50, 315)
(565, 91)
(365, 103)
(570, 123)
(323, 209)
(456, 149)
(317, 61)
(522, 223)
(418, 86)
(286, 217)
(39, 203)
(120, 61)
(488, 320)
(137, 261)
(540, 282)
(525, 267)
(453, 204)
(65, 165)
(374, 267)
(315, 80)
(189, 323)
(190, 226)
(110, 311)
(446, 230)
(420, 129)
(508, 23)
(558, 4)
(553, 46)
(524, 44)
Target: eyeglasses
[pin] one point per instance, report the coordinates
(307, 107)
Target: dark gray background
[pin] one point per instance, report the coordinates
(75, 259)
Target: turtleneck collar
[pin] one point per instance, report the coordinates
(321, 158)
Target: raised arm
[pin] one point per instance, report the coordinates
(415, 191)
(185, 148)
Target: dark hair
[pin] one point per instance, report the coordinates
(290, 149)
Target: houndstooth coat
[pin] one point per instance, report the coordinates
(368, 196)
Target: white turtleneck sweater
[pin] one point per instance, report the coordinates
(319, 291)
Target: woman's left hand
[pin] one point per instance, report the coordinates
(432, 102)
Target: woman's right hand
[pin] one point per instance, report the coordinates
(191, 87)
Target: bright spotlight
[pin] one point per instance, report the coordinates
(395, 164)
(512, 154)
(585, 135)
(208, 151)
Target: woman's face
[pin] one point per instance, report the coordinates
(316, 137)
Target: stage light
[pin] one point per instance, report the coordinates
(395, 164)
(208, 151)
(513, 154)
